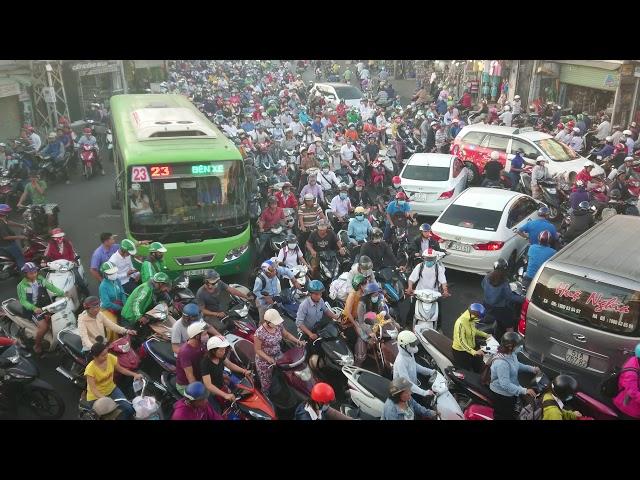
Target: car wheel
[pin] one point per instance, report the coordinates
(473, 177)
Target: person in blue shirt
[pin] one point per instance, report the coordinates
(267, 285)
(538, 254)
(359, 227)
(517, 163)
(313, 314)
(248, 125)
(54, 148)
(302, 116)
(499, 300)
(441, 106)
(454, 129)
(532, 228)
(607, 149)
(316, 126)
(398, 208)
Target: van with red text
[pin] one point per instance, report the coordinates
(581, 315)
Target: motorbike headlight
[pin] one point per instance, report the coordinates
(258, 415)
(304, 374)
(236, 253)
(345, 360)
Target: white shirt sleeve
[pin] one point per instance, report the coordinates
(414, 274)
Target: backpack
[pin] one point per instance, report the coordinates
(437, 285)
(609, 387)
(535, 409)
(485, 375)
(258, 273)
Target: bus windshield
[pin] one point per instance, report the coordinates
(187, 197)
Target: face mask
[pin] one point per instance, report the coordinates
(113, 276)
(413, 350)
(400, 203)
(343, 196)
(396, 185)
(325, 170)
(375, 240)
(312, 182)
(360, 218)
(429, 263)
(292, 246)
(358, 189)
(375, 299)
(286, 192)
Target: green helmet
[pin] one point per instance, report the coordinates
(324, 165)
(161, 277)
(358, 280)
(157, 247)
(108, 268)
(129, 246)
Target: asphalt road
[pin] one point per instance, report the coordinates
(85, 212)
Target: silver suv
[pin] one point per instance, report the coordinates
(581, 314)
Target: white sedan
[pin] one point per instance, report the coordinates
(432, 181)
(478, 228)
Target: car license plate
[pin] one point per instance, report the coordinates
(420, 197)
(577, 358)
(195, 273)
(459, 247)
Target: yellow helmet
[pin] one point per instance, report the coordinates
(359, 210)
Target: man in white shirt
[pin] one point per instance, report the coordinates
(326, 178)
(122, 260)
(347, 151)
(604, 129)
(296, 127)
(429, 274)
(506, 116)
(452, 112)
(340, 205)
(35, 140)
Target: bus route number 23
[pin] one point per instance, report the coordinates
(139, 174)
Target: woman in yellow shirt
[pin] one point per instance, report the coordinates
(100, 382)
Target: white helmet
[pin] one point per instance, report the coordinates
(273, 317)
(495, 155)
(576, 130)
(587, 164)
(407, 338)
(517, 97)
(541, 159)
(217, 342)
(608, 139)
(627, 133)
(507, 108)
(196, 328)
(579, 183)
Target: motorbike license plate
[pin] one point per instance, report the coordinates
(577, 358)
(195, 273)
(459, 247)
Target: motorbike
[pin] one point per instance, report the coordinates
(158, 346)
(551, 197)
(36, 246)
(109, 142)
(329, 266)
(40, 219)
(368, 391)
(20, 384)
(52, 170)
(393, 282)
(88, 156)
(292, 380)
(385, 349)
(11, 188)
(238, 322)
(60, 274)
(426, 311)
(181, 295)
(334, 351)
(60, 311)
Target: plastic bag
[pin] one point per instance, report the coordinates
(339, 288)
(146, 408)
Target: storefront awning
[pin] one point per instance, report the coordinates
(8, 87)
(604, 64)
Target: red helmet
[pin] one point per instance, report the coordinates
(571, 124)
(401, 196)
(620, 146)
(360, 183)
(544, 237)
(560, 125)
(86, 130)
(396, 179)
(323, 393)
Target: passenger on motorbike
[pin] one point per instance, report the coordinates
(93, 323)
(504, 377)
(88, 139)
(33, 295)
(190, 355)
(585, 173)
(379, 251)
(364, 266)
(401, 405)
(317, 407)
(405, 365)
(350, 311)
(312, 188)
(533, 228)
(561, 390)
(154, 262)
(492, 170)
(499, 300)
(142, 298)
(8, 240)
(578, 195)
(194, 405)
(465, 332)
(397, 208)
(340, 207)
(424, 241)
(538, 253)
(179, 330)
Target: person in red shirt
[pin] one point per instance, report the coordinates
(59, 248)
(585, 174)
(286, 198)
(466, 100)
(341, 109)
(272, 216)
(351, 133)
(369, 127)
(333, 117)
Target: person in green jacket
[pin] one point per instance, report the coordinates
(464, 339)
(562, 389)
(33, 295)
(154, 264)
(142, 298)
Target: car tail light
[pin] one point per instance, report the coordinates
(436, 237)
(445, 195)
(490, 246)
(522, 324)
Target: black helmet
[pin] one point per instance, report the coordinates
(615, 194)
(501, 264)
(291, 238)
(584, 205)
(365, 265)
(564, 387)
(510, 339)
(376, 233)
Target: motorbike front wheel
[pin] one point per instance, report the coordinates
(45, 404)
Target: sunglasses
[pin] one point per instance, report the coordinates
(211, 284)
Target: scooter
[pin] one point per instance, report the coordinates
(88, 155)
(369, 391)
(426, 311)
(292, 380)
(60, 274)
(238, 322)
(182, 295)
(36, 246)
(20, 385)
(60, 312)
(385, 349)
(334, 351)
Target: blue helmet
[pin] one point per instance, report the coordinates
(543, 211)
(372, 287)
(191, 310)
(196, 391)
(638, 350)
(29, 267)
(315, 286)
(478, 309)
(425, 227)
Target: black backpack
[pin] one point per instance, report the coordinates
(609, 387)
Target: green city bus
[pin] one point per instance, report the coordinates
(181, 182)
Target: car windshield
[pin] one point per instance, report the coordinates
(426, 174)
(471, 217)
(556, 151)
(588, 302)
(177, 197)
(348, 93)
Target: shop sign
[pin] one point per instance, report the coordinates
(94, 68)
(610, 80)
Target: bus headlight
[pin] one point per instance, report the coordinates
(236, 253)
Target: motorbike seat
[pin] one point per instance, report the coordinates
(472, 380)
(73, 341)
(15, 307)
(376, 384)
(440, 342)
(162, 350)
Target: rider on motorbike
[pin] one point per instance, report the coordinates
(499, 300)
(538, 253)
(581, 221)
(317, 407)
(405, 365)
(532, 229)
(154, 263)
(312, 315)
(379, 251)
(291, 255)
(359, 197)
(194, 405)
(90, 140)
(359, 227)
(561, 390)
(340, 207)
(92, 323)
(112, 294)
(59, 248)
(397, 208)
(401, 405)
(424, 241)
(322, 240)
(33, 295)
(465, 332)
(142, 298)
